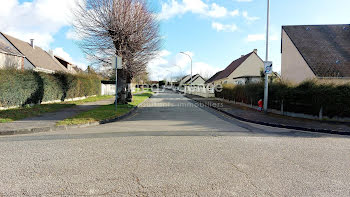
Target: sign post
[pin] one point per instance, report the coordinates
(117, 64)
(267, 71)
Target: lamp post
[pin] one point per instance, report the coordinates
(191, 61)
(266, 89)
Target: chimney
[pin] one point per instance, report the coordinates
(32, 43)
(255, 51)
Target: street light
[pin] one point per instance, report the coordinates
(266, 89)
(191, 61)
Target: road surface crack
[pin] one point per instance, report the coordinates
(247, 177)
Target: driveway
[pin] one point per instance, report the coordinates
(172, 147)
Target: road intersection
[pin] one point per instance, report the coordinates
(171, 146)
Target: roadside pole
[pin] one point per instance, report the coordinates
(117, 64)
(266, 89)
(191, 62)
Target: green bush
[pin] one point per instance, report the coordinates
(307, 97)
(28, 87)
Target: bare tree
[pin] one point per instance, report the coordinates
(126, 28)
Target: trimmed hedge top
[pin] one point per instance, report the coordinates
(307, 97)
(29, 87)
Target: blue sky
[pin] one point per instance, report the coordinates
(213, 32)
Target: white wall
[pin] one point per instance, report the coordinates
(7, 60)
(294, 67)
(198, 81)
(201, 90)
(250, 67)
(107, 89)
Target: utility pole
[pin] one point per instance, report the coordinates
(266, 89)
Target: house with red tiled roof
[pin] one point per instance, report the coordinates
(315, 51)
(35, 58)
(242, 70)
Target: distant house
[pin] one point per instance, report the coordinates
(9, 57)
(184, 79)
(243, 70)
(69, 66)
(315, 51)
(34, 57)
(196, 80)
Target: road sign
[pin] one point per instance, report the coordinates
(268, 67)
(117, 62)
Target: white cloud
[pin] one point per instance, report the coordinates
(234, 13)
(40, 19)
(42, 40)
(183, 66)
(260, 37)
(61, 53)
(72, 35)
(217, 11)
(173, 8)
(222, 27)
(255, 37)
(204, 69)
(249, 18)
(155, 66)
(164, 67)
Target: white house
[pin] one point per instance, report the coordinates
(196, 80)
(242, 70)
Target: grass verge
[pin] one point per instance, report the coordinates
(90, 99)
(137, 90)
(36, 110)
(104, 112)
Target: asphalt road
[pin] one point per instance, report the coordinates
(172, 147)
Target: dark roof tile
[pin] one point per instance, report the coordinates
(8, 49)
(229, 69)
(325, 48)
(37, 56)
(213, 78)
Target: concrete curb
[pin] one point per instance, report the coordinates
(67, 127)
(327, 131)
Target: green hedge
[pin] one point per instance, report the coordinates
(307, 97)
(29, 87)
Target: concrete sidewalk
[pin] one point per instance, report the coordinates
(50, 119)
(254, 116)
